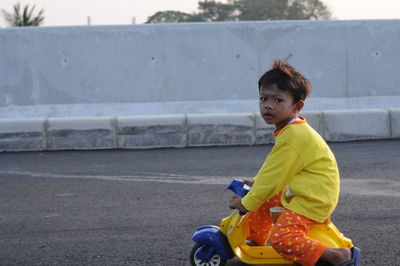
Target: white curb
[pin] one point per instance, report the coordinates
(347, 125)
(81, 133)
(152, 131)
(315, 120)
(143, 132)
(221, 129)
(264, 132)
(395, 123)
(25, 134)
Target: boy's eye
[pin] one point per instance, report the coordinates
(263, 99)
(278, 100)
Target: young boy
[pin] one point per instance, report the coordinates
(300, 175)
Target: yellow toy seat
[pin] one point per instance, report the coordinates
(236, 228)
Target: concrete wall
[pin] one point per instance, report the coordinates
(193, 62)
(95, 87)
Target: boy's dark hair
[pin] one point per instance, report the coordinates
(286, 78)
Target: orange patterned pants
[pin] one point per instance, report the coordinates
(288, 235)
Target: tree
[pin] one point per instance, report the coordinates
(307, 9)
(173, 17)
(215, 11)
(281, 9)
(24, 18)
(234, 10)
(261, 9)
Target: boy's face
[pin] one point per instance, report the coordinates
(277, 107)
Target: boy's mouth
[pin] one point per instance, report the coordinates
(268, 116)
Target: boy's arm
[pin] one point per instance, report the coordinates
(281, 165)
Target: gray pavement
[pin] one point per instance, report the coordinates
(126, 207)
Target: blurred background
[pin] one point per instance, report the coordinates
(121, 12)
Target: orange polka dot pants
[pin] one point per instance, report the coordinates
(288, 235)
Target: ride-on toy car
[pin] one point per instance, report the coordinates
(215, 245)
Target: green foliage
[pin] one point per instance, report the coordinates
(261, 9)
(215, 11)
(24, 18)
(281, 9)
(173, 17)
(234, 10)
(307, 9)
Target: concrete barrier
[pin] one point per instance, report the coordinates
(81, 133)
(203, 75)
(264, 132)
(347, 125)
(136, 69)
(23, 134)
(315, 120)
(221, 129)
(142, 132)
(152, 131)
(395, 123)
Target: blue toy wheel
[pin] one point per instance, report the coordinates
(215, 260)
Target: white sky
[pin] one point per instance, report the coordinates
(103, 12)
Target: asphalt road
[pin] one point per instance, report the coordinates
(125, 207)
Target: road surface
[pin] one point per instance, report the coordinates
(125, 207)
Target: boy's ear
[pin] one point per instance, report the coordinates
(299, 106)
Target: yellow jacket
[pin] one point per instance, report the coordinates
(301, 164)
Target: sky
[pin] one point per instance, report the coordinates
(122, 12)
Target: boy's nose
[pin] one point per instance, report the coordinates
(267, 106)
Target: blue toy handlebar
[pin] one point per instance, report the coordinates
(239, 188)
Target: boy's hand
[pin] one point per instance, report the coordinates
(235, 203)
(248, 182)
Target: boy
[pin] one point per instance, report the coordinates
(300, 175)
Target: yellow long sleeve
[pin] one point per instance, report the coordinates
(278, 170)
(302, 165)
